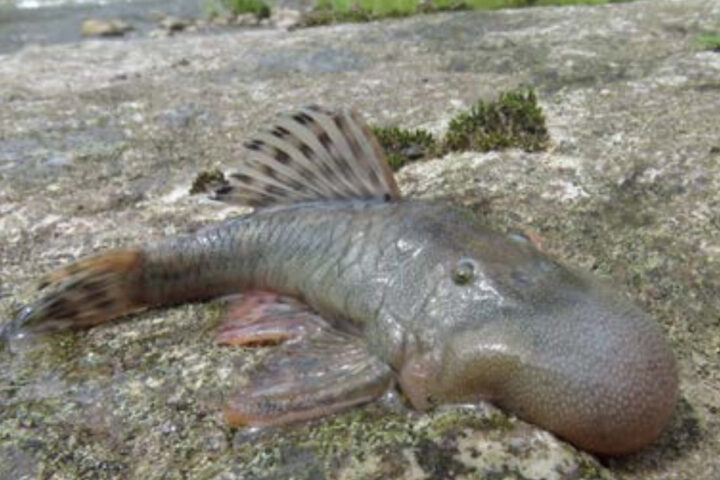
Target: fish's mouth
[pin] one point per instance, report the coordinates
(609, 384)
(597, 372)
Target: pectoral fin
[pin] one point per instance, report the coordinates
(321, 372)
(262, 318)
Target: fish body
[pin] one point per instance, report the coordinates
(368, 288)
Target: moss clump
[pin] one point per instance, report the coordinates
(323, 16)
(710, 41)
(457, 419)
(514, 120)
(403, 146)
(259, 8)
(208, 180)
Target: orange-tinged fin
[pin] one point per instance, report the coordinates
(311, 154)
(90, 291)
(267, 318)
(318, 370)
(321, 375)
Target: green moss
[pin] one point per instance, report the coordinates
(587, 468)
(259, 8)
(456, 419)
(709, 41)
(323, 14)
(346, 11)
(439, 459)
(403, 146)
(320, 16)
(207, 180)
(514, 120)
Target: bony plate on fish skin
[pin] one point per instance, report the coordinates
(365, 289)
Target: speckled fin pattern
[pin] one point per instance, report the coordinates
(85, 293)
(310, 154)
(318, 370)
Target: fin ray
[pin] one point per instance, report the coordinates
(310, 154)
(90, 291)
(261, 318)
(328, 372)
(309, 135)
(317, 371)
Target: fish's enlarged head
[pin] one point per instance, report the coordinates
(559, 349)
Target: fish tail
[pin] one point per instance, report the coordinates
(88, 292)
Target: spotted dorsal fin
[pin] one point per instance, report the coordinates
(308, 155)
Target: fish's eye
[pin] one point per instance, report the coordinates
(464, 271)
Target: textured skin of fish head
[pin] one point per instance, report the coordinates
(554, 346)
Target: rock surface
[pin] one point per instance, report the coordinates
(174, 24)
(285, 18)
(99, 143)
(100, 27)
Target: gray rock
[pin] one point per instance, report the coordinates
(174, 24)
(159, 33)
(246, 20)
(58, 160)
(285, 18)
(630, 189)
(329, 60)
(98, 27)
(224, 20)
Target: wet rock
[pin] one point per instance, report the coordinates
(246, 20)
(222, 20)
(174, 24)
(285, 18)
(58, 160)
(323, 59)
(97, 27)
(159, 33)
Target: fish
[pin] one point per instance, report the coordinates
(364, 290)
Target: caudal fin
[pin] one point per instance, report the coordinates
(88, 292)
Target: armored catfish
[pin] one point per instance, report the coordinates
(366, 289)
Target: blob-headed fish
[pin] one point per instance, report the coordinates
(366, 288)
